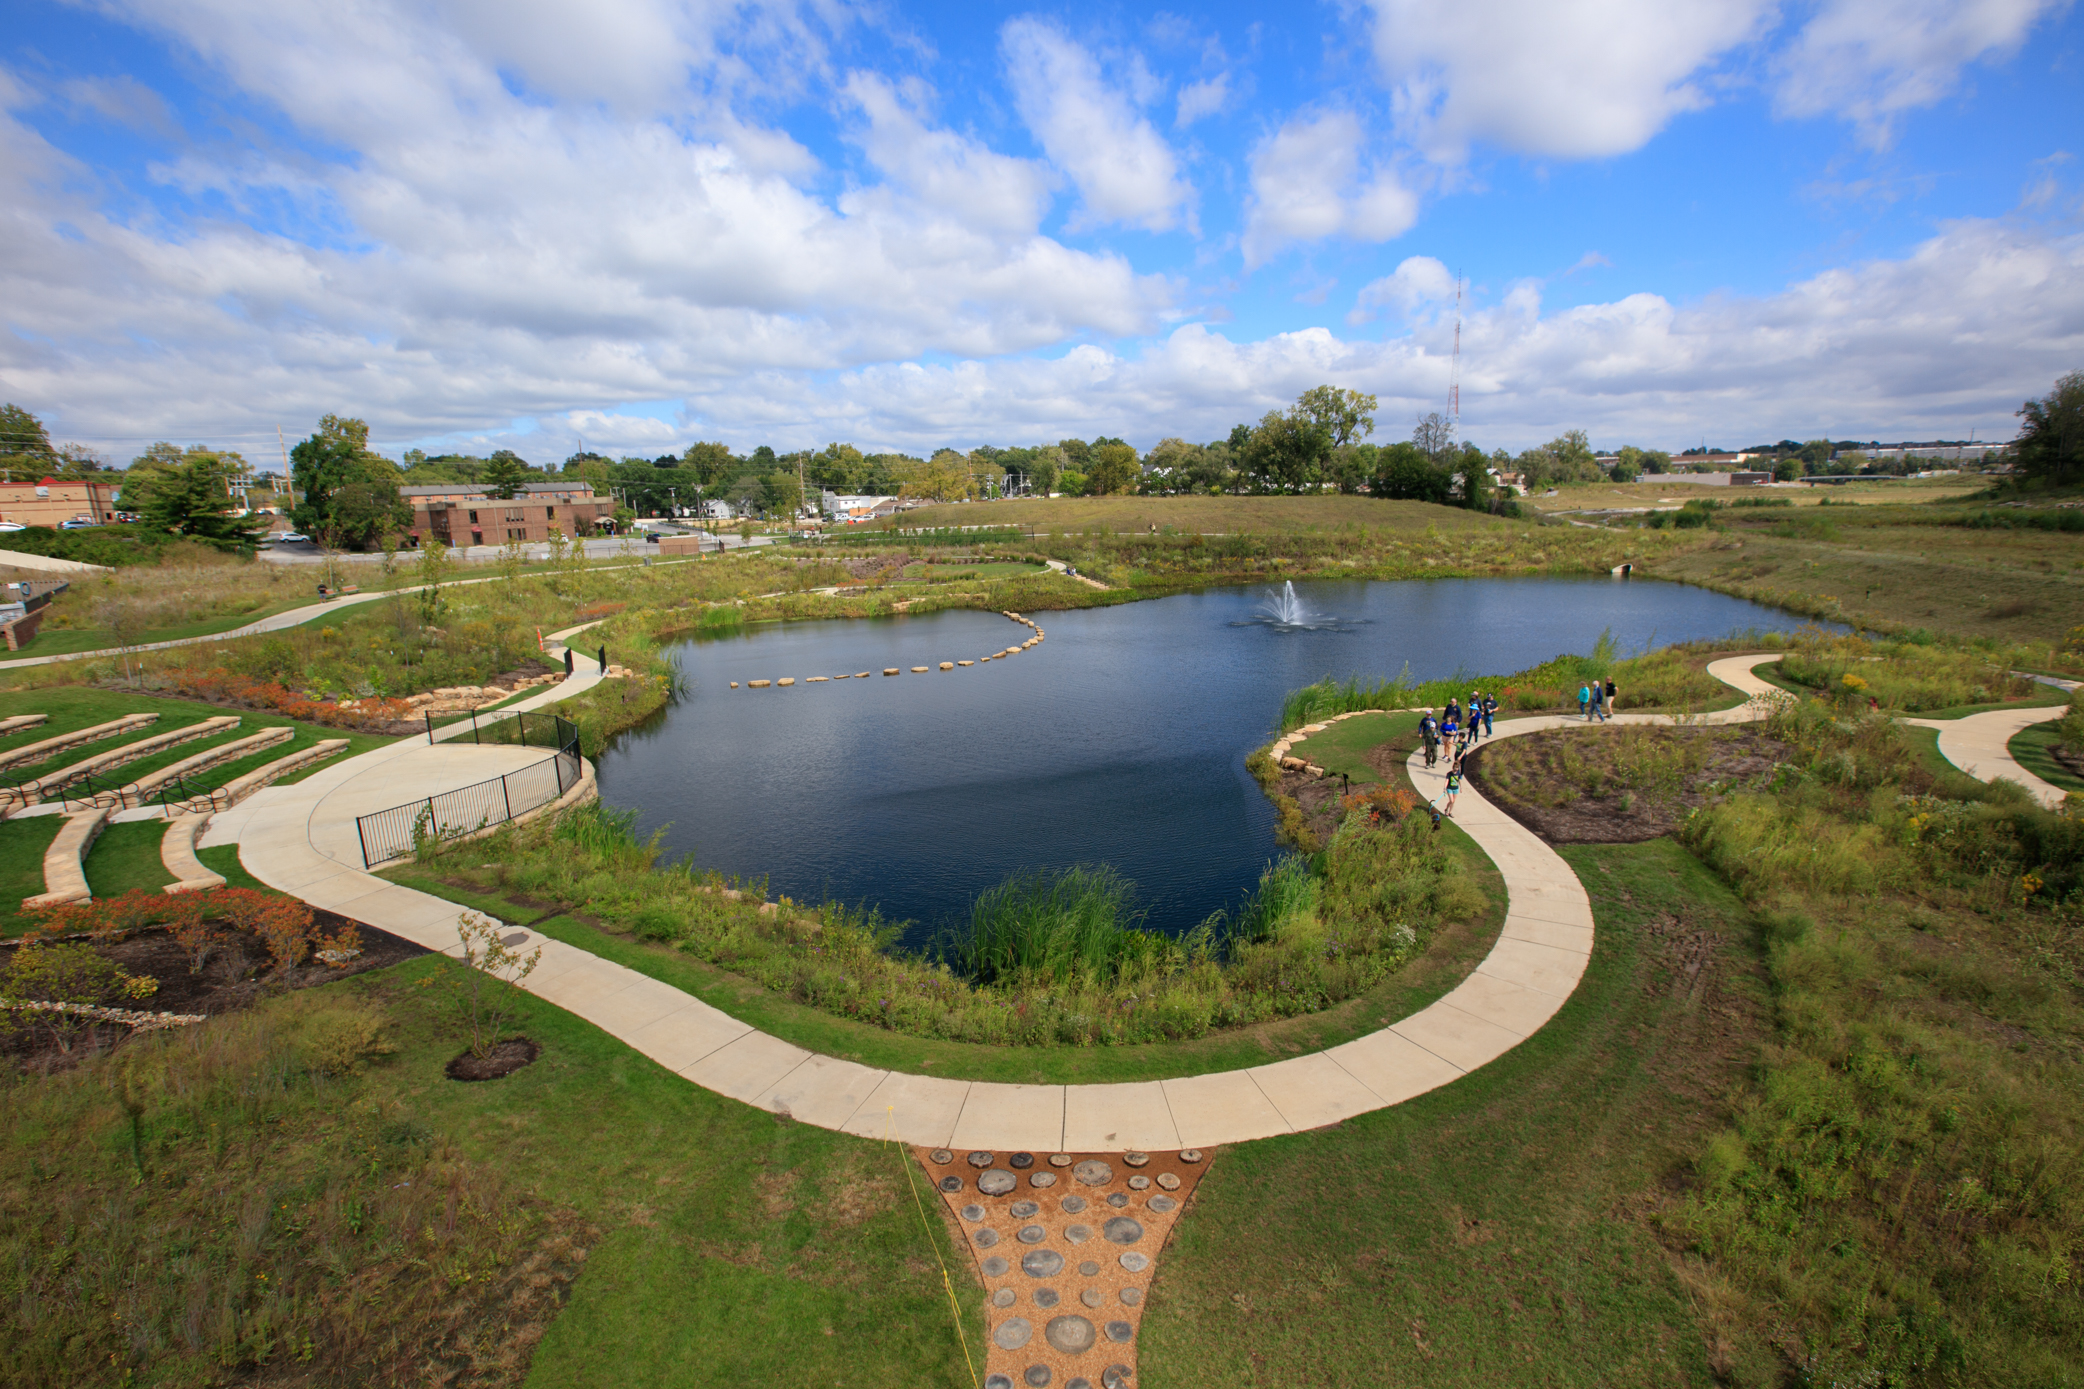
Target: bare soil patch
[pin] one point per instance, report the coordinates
(1615, 784)
(507, 1056)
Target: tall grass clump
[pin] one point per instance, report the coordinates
(1902, 675)
(1058, 926)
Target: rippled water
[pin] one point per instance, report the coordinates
(1120, 739)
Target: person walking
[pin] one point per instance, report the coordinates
(1454, 785)
(604, 660)
(1451, 733)
(1490, 711)
(1584, 702)
(568, 660)
(1599, 699)
(1612, 706)
(1429, 730)
(1453, 711)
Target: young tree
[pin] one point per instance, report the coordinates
(434, 568)
(2051, 443)
(350, 496)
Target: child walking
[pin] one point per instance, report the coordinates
(1454, 784)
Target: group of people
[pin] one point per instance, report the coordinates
(1595, 699)
(1455, 732)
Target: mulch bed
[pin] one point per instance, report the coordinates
(235, 976)
(1530, 790)
(507, 1056)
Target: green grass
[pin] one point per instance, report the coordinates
(1492, 1232)
(223, 860)
(1452, 955)
(22, 846)
(126, 856)
(72, 707)
(1344, 746)
(2029, 748)
(312, 1217)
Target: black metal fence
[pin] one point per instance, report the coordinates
(515, 728)
(401, 831)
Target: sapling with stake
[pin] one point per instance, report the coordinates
(492, 974)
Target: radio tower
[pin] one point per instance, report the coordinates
(1454, 377)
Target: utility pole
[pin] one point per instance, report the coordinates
(1454, 374)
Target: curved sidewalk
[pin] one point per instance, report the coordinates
(1980, 745)
(1536, 964)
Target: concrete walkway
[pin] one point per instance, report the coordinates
(290, 839)
(1980, 745)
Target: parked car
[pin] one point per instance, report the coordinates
(78, 523)
(292, 538)
(12, 526)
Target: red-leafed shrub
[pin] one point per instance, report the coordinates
(243, 692)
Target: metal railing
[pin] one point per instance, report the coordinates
(402, 831)
(510, 728)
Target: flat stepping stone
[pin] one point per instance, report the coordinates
(973, 1213)
(1037, 1377)
(1072, 1335)
(1135, 1262)
(1089, 1269)
(940, 1157)
(1169, 1180)
(985, 1237)
(1163, 1205)
(1078, 1234)
(1060, 1160)
(1136, 1159)
(1046, 1297)
(981, 1159)
(1019, 1210)
(1032, 1234)
(997, 1183)
(950, 1184)
(1122, 1230)
(1120, 1332)
(1042, 1263)
(1093, 1172)
(998, 1382)
(1139, 1182)
(1021, 1161)
(1115, 1377)
(1091, 1297)
(1131, 1296)
(1012, 1333)
(1072, 1204)
(1004, 1297)
(996, 1267)
(1042, 1179)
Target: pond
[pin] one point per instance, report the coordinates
(1121, 739)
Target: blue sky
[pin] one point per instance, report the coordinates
(639, 223)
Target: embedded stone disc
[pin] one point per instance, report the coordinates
(1115, 1377)
(1032, 1234)
(1163, 1205)
(1119, 1332)
(1078, 1234)
(996, 1267)
(951, 1184)
(981, 1159)
(1139, 1182)
(1037, 1376)
(1021, 1160)
(1117, 1200)
(1020, 1210)
(973, 1212)
(1070, 1334)
(1041, 1179)
(1093, 1172)
(1089, 1268)
(1012, 1333)
(985, 1237)
(996, 1183)
(1190, 1155)
(940, 1157)
(1072, 1204)
(1042, 1263)
(1004, 1297)
(1136, 1159)
(1091, 1297)
(1122, 1230)
(1059, 1159)
(998, 1382)
(1169, 1180)
(1134, 1262)
(1046, 1297)
(1131, 1296)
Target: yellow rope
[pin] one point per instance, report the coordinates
(954, 1305)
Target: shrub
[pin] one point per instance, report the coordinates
(72, 973)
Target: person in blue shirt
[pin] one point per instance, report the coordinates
(1490, 710)
(1451, 733)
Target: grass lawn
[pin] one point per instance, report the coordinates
(312, 1217)
(1495, 1231)
(127, 856)
(1344, 746)
(957, 573)
(224, 862)
(22, 846)
(2029, 747)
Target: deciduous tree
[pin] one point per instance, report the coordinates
(2051, 442)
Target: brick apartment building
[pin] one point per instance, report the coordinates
(459, 514)
(49, 503)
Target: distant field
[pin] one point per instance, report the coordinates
(1207, 515)
(1666, 491)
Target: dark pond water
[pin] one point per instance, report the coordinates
(1121, 739)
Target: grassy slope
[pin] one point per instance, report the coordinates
(729, 1246)
(127, 856)
(1446, 964)
(2030, 749)
(1489, 1233)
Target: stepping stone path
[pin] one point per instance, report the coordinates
(1069, 1313)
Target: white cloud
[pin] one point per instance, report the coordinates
(943, 170)
(1308, 184)
(1575, 78)
(1873, 60)
(1201, 99)
(1417, 282)
(1124, 170)
(124, 100)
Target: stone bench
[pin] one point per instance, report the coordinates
(177, 852)
(50, 747)
(65, 862)
(56, 782)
